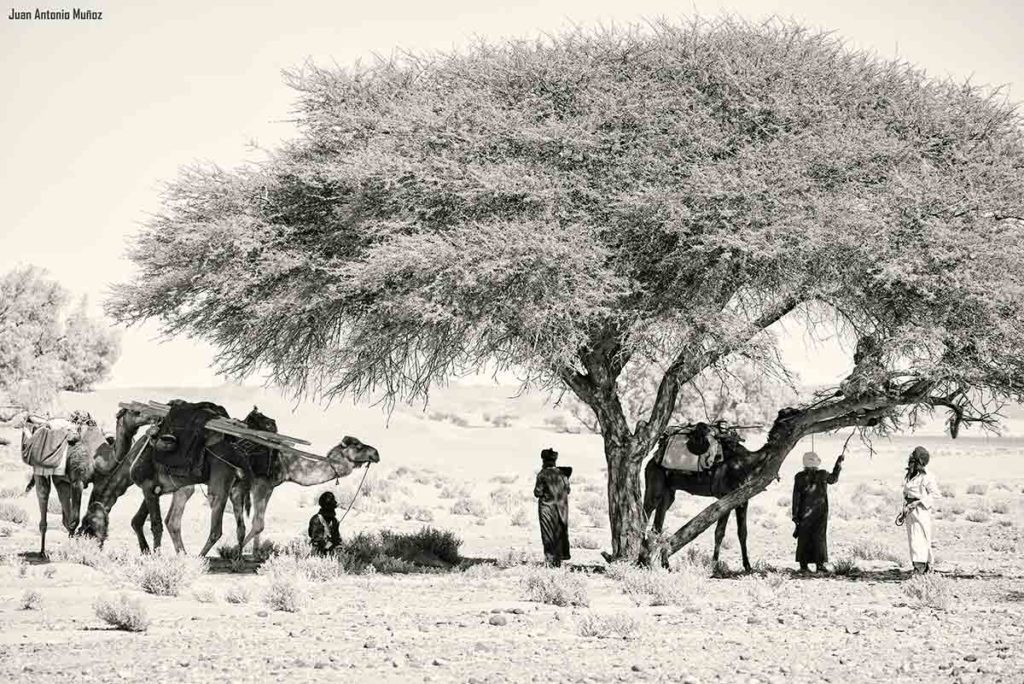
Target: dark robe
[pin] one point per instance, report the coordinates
(810, 513)
(324, 535)
(552, 492)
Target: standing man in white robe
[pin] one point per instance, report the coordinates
(919, 492)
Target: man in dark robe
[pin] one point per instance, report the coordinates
(324, 536)
(810, 511)
(552, 492)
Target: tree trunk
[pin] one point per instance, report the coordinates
(625, 503)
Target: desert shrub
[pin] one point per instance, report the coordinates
(651, 587)
(12, 514)
(238, 593)
(505, 499)
(957, 509)
(444, 417)
(692, 559)
(585, 541)
(31, 600)
(845, 567)
(423, 478)
(480, 571)
(11, 492)
(467, 506)
(502, 420)
(227, 551)
(399, 472)
(167, 575)
(287, 593)
(297, 547)
(979, 516)
(947, 491)
(442, 544)
(520, 518)
(205, 595)
(418, 513)
(50, 572)
(1004, 486)
(310, 568)
(123, 613)
(10, 559)
(594, 507)
(1005, 522)
(873, 550)
(557, 587)
(784, 502)
(928, 591)
(608, 625)
(80, 550)
(454, 491)
(390, 551)
(389, 565)
(769, 523)
(1001, 507)
(513, 558)
(764, 591)
(5, 531)
(977, 488)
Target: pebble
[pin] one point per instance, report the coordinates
(440, 662)
(370, 643)
(971, 658)
(498, 620)
(262, 613)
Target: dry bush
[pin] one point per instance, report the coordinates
(12, 514)
(873, 550)
(520, 518)
(5, 531)
(418, 513)
(238, 593)
(287, 593)
(505, 478)
(652, 587)
(310, 568)
(608, 625)
(845, 567)
(123, 613)
(481, 571)
(11, 492)
(928, 591)
(1001, 507)
(977, 488)
(31, 600)
(513, 558)
(594, 507)
(205, 595)
(467, 506)
(769, 523)
(957, 509)
(297, 547)
(763, 592)
(167, 575)
(693, 559)
(585, 541)
(80, 550)
(784, 502)
(505, 500)
(558, 587)
(947, 491)
(1006, 522)
(451, 490)
(979, 515)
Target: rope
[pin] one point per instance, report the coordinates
(356, 495)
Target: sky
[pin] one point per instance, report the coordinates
(96, 114)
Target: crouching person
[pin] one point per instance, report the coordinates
(324, 536)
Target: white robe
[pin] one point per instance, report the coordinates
(919, 519)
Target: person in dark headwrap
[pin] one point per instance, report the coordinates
(552, 492)
(324, 536)
(810, 511)
(919, 491)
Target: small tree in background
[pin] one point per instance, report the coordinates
(43, 348)
(568, 205)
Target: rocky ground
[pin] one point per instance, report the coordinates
(480, 625)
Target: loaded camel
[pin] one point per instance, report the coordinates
(308, 469)
(661, 484)
(85, 444)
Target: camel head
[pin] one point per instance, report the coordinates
(354, 452)
(95, 522)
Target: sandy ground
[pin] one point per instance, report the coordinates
(772, 626)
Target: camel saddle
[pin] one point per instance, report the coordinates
(46, 449)
(676, 455)
(179, 445)
(261, 457)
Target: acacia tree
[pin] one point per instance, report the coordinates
(567, 205)
(44, 347)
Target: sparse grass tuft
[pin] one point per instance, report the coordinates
(504, 499)
(977, 488)
(505, 479)
(80, 550)
(585, 541)
(873, 550)
(648, 587)
(513, 558)
(31, 600)
(238, 593)
(287, 593)
(468, 506)
(1001, 507)
(764, 591)
(979, 516)
(929, 591)
(520, 518)
(558, 587)
(418, 513)
(11, 492)
(205, 595)
(12, 514)
(167, 575)
(123, 613)
(948, 491)
(845, 567)
(608, 625)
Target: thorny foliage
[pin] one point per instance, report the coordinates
(671, 189)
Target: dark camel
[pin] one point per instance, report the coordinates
(85, 445)
(662, 484)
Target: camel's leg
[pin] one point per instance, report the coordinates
(261, 491)
(138, 524)
(69, 515)
(741, 532)
(43, 497)
(723, 522)
(179, 498)
(155, 522)
(76, 505)
(238, 497)
(221, 479)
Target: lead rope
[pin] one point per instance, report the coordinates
(356, 495)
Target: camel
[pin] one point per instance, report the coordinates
(85, 445)
(662, 485)
(118, 476)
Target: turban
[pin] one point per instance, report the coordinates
(327, 500)
(921, 455)
(548, 456)
(811, 460)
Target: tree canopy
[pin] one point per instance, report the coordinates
(45, 345)
(566, 205)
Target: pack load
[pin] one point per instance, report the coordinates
(690, 448)
(261, 457)
(46, 449)
(179, 445)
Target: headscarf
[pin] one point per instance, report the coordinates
(548, 457)
(327, 500)
(811, 460)
(919, 458)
